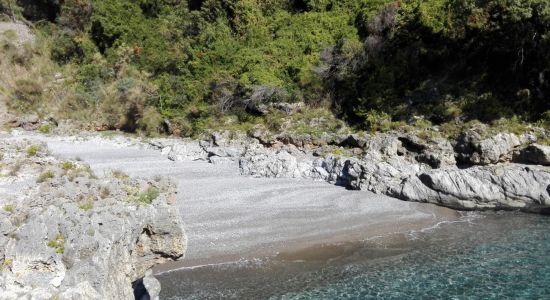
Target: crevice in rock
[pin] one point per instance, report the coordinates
(412, 146)
(140, 292)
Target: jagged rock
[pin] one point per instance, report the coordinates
(217, 160)
(261, 134)
(259, 161)
(413, 169)
(71, 235)
(472, 149)
(354, 141)
(436, 152)
(187, 150)
(387, 145)
(384, 176)
(147, 288)
(490, 187)
(536, 154)
(27, 122)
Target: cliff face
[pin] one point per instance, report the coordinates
(67, 234)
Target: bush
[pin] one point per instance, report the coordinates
(150, 121)
(28, 94)
(45, 128)
(58, 243)
(33, 150)
(148, 196)
(45, 176)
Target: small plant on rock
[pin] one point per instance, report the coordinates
(148, 196)
(8, 262)
(33, 150)
(120, 175)
(87, 205)
(67, 165)
(45, 176)
(45, 128)
(9, 208)
(58, 244)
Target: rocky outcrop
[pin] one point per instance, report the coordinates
(536, 154)
(508, 186)
(472, 149)
(22, 34)
(67, 234)
(414, 169)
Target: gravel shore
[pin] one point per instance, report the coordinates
(229, 217)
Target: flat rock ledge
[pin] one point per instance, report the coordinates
(67, 234)
(475, 172)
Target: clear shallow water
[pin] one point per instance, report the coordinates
(492, 256)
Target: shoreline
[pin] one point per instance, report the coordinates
(326, 247)
(418, 263)
(229, 216)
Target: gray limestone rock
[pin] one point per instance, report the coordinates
(508, 186)
(536, 154)
(72, 235)
(472, 149)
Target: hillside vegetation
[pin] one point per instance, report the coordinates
(185, 66)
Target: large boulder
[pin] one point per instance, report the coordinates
(435, 152)
(264, 162)
(472, 149)
(508, 186)
(536, 154)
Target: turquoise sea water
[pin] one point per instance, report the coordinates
(487, 256)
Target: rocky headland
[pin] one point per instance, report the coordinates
(66, 233)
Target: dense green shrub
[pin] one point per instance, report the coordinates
(488, 59)
(139, 62)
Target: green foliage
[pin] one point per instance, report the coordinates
(6, 264)
(9, 208)
(148, 196)
(445, 59)
(142, 198)
(33, 150)
(27, 95)
(45, 128)
(44, 176)
(58, 243)
(88, 205)
(377, 121)
(132, 64)
(67, 165)
(10, 8)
